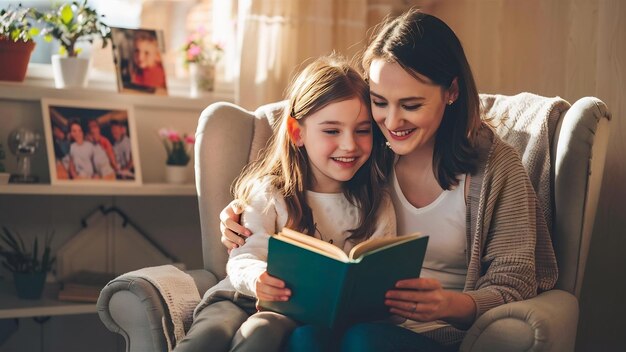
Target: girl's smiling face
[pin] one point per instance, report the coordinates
(408, 109)
(338, 141)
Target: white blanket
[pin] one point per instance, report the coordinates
(527, 122)
(179, 292)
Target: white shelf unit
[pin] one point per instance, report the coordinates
(166, 211)
(20, 106)
(13, 307)
(154, 189)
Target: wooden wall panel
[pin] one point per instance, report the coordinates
(569, 48)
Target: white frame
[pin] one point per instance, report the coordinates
(47, 103)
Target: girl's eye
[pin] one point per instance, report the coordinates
(364, 131)
(379, 104)
(411, 107)
(331, 132)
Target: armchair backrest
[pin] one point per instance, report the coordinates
(578, 155)
(228, 137)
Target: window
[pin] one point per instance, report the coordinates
(176, 18)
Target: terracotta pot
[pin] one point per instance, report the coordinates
(14, 57)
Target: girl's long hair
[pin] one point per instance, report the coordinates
(325, 81)
(425, 44)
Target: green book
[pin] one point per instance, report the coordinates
(334, 289)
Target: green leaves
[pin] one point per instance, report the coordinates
(66, 14)
(71, 23)
(18, 259)
(15, 23)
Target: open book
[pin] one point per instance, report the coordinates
(333, 289)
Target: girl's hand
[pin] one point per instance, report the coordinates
(425, 300)
(232, 232)
(269, 288)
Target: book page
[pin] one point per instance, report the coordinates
(377, 243)
(313, 244)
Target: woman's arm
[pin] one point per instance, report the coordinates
(425, 300)
(233, 233)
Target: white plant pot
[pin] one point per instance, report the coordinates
(176, 174)
(69, 71)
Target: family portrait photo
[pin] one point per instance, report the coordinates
(93, 143)
(138, 60)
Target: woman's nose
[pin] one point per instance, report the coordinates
(393, 119)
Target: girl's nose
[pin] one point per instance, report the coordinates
(348, 143)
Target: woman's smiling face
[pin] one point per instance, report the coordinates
(407, 109)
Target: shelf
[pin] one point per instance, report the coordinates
(150, 189)
(35, 91)
(13, 307)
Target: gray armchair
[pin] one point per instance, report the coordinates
(227, 137)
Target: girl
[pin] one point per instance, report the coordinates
(453, 180)
(316, 176)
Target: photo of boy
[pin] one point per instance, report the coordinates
(138, 60)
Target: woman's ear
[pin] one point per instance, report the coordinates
(293, 128)
(453, 91)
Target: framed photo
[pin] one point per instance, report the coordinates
(137, 54)
(91, 143)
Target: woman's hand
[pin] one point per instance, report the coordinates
(425, 300)
(232, 232)
(269, 288)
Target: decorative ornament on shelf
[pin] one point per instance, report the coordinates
(201, 57)
(24, 143)
(178, 147)
(71, 23)
(28, 268)
(16, 42)
(4, 175)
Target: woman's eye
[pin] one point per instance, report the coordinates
(379, 104)
(411, 107)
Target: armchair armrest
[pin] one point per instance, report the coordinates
(543, 323)
(133, 308)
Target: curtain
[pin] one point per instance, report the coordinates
(277, 38)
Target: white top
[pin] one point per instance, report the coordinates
(266, 214)
(443, 221)
(82, 156)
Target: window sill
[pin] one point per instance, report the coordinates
(39, 83)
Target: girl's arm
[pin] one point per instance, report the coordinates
(264, 214)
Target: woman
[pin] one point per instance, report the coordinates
(453, 180)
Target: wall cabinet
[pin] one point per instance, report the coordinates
(167, 213)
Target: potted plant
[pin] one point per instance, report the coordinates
(16, 42)
(28, 267)
(178, 148)
(4, 175)
(70, 24)
(201, 57)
